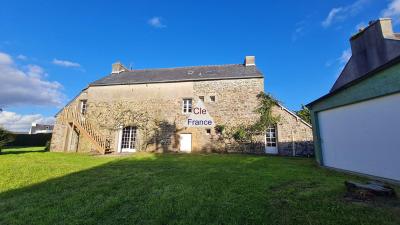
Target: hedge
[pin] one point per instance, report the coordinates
(30, 140)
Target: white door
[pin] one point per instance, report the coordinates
(363, 137)
(270, 141)
(185, 142)
(128, 139)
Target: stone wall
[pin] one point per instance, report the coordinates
(160, 106)
(294, 135)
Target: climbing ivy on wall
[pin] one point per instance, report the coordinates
(245, 133)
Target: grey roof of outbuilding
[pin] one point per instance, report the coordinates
(179, 74)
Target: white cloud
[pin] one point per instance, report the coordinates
(331, 16)
(35, 71)
(299, 30)
(5, 59)
(393, 11)
(65, 63)
(341, 61)
(156, 22)
(26, 86)
(22, 123)
(22, 57)
(339, 14)
(344, 58)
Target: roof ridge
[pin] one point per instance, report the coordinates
(183, 67)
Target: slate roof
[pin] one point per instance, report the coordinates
(179, 74)
(372, 50)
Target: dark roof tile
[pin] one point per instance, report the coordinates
(194, 73)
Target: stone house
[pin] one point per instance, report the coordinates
(175, 109)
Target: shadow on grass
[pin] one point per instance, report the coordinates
(182, 189)
(21, 150)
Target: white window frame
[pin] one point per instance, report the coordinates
(131, 145)
(187, 105)
(271, 137)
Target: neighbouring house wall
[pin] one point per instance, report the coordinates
(382, 83)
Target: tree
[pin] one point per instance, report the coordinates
(5, 137)
(245, 133)
(304, 113)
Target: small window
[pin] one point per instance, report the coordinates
(212, 98)
(208, 131)
(83, 106)
(47, 128)
(187, 105)
(201, 98)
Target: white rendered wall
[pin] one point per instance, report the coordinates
(363, 137)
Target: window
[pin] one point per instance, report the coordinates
(208, 131)
(201, 98)
(83, 106)
(47, 128)
(271, 137)
(187, 106)
(128, 138)
(212, 98)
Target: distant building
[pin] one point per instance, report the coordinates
(356, 125)
(41, 128)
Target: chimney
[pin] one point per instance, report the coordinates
(250, 61)
(118, 68)
(386, 26)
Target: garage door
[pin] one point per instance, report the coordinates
(363, 137)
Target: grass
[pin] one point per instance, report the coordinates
(38, 187)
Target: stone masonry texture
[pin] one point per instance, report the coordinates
(161, 106)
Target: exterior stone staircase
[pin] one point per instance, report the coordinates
(76, 119)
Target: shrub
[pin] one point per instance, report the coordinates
(47, 146)
(241, 135)
(220, 129)
(5, 137)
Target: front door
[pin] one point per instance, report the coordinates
(185, 142)
(128, 139)
(270, 141)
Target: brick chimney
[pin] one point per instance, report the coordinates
(250, 61)
(118, 68)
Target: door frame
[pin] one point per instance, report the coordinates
(126, 150)
(269, 149)
(180, 143)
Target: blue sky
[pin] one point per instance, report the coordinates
(50, 50)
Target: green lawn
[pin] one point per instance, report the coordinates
(39, 187)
